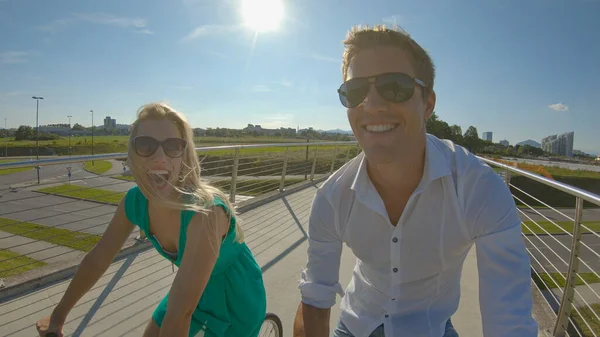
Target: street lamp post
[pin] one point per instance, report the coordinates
(5, 139)
(92, 111)
(37, 134)
(69, 134)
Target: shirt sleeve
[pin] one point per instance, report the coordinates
(319, 282)
(505, 296)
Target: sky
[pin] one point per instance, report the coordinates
(523, 69)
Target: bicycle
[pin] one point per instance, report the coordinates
(271, 327)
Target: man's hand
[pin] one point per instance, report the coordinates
(311, 321)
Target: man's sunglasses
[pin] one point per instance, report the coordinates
(146, 146)
(393, 87)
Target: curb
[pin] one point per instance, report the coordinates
(60, 274)
(75, 198)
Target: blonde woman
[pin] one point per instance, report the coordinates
(218, 290)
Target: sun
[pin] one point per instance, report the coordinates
(262, 15)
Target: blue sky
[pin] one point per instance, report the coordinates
(519, 68)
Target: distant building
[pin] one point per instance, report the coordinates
(504, 142)
(110, 123)
(487, 136)
(559, 144)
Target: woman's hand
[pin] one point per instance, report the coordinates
(49, 325)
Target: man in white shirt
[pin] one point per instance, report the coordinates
(410, 207)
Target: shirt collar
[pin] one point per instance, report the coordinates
(436, 166)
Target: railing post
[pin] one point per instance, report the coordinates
(507, 178)
(285, 161)
(333, 160)
(566, 304)
(234, 173)
(314, 164)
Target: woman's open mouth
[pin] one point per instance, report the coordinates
(159, 178)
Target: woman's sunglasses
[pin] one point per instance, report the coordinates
(393, 87)
(145, 146)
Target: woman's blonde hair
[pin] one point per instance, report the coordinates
(194, 193)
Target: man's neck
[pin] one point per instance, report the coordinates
(400, 176)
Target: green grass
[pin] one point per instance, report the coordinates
(97, 166)
(124, 177)
(553, 229)
(547, 283)
(122, 141)
(12, 170)
(12, 263)
(564, 172)
(85, 193)
(589, 317)
(58, 236)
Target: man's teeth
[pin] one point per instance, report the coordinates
(380, 127)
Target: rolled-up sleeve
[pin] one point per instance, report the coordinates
(319, 281)
(504, 266)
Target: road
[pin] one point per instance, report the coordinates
(49, 210)
(557, 256)
(46, 172)
(590, 214)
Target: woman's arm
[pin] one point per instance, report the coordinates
(204, 235)
(95, 262)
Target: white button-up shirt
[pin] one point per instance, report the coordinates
(407, 276)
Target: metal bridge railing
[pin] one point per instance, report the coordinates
(46, 224)
(563, 247)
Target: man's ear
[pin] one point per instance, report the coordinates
(430, 104)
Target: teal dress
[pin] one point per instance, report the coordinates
(233, 303)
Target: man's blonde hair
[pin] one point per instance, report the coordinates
(194, 193)
(360, 38)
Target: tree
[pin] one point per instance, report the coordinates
(24, 132)
(438, 127)
(77, 127)
(472, 140)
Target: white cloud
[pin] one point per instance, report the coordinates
(558, 107)
(137, 24)
(208, 30)
(13, 57)
(320, 57)
(260, 88)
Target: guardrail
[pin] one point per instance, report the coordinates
(42, 226)
(564, 262)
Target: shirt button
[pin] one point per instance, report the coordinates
(395, 270)
(395, 240)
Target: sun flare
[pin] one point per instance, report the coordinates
(262, 15)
